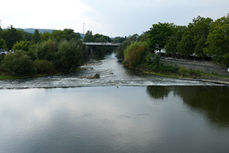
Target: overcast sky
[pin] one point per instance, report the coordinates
(109, 17)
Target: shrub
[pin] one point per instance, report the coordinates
(46, 50)
(189, 72)
(43, 67)
(17, 64)
(70, 55)
(135, 54)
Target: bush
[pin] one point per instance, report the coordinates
(135, 54)
(17, 64)
(46, 50)
(70, 55)
(189, 72)
(43, 67)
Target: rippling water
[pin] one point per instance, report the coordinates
(115, 120)
(111, 72)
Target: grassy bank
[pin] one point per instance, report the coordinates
(10, 77)
(187, 74)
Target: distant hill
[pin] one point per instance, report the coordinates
(31, 30)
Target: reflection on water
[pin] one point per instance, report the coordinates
(158, 92)
(115, 120)
(211, 101)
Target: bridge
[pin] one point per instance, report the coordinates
(92, 45)
(104, 44)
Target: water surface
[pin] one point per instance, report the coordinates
(122, 112)
(115, 120)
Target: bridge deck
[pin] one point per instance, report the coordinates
(101, 44)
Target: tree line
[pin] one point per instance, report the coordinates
(203, 38)
(61, 51)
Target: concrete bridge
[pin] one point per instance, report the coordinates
(93, 45)
(104, 44)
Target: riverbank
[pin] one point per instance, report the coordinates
(204, 77)
(201, 65)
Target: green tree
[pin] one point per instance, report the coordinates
(46, 50)
(136, 54)
(66, 34)
(3, 44)
(124, 44)
(218, 40)
(185, 46)
(17, 64)
(36, 38)
(43, 67)
(159, 34)
(118, 39)
(200, 28)
(101, 38)
(27, 36)
(171, 46)
(69, 34)
(88, 37)
(45, 36)
(70, 55)
(174, 39)
(11, 36)
(21, 45)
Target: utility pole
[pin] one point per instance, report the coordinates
(83, 28)
(0, 23)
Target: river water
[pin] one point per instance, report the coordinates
(122, 112)
(111, 72)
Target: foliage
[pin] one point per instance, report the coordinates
(135, 53)
(189, 72)
(218, 40)
(21, 45)
(46, 50)
(101, 38)
(66, 34)
(45, 36)
(88, 37)
(118, 39)
(124, 44)
(3, 44)
(200, 28)
(159, 34)
(70, 54)
(185, 46)
(27, 36)
(17, 64)
(36, 38)
(171, 46)
(43, 67)
(11, 36)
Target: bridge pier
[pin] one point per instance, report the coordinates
(91, 51)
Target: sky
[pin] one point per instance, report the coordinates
(108, 17)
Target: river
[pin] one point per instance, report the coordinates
(122, 112)
(112, 74)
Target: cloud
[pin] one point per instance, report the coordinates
(44, 14)
(107, 16)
